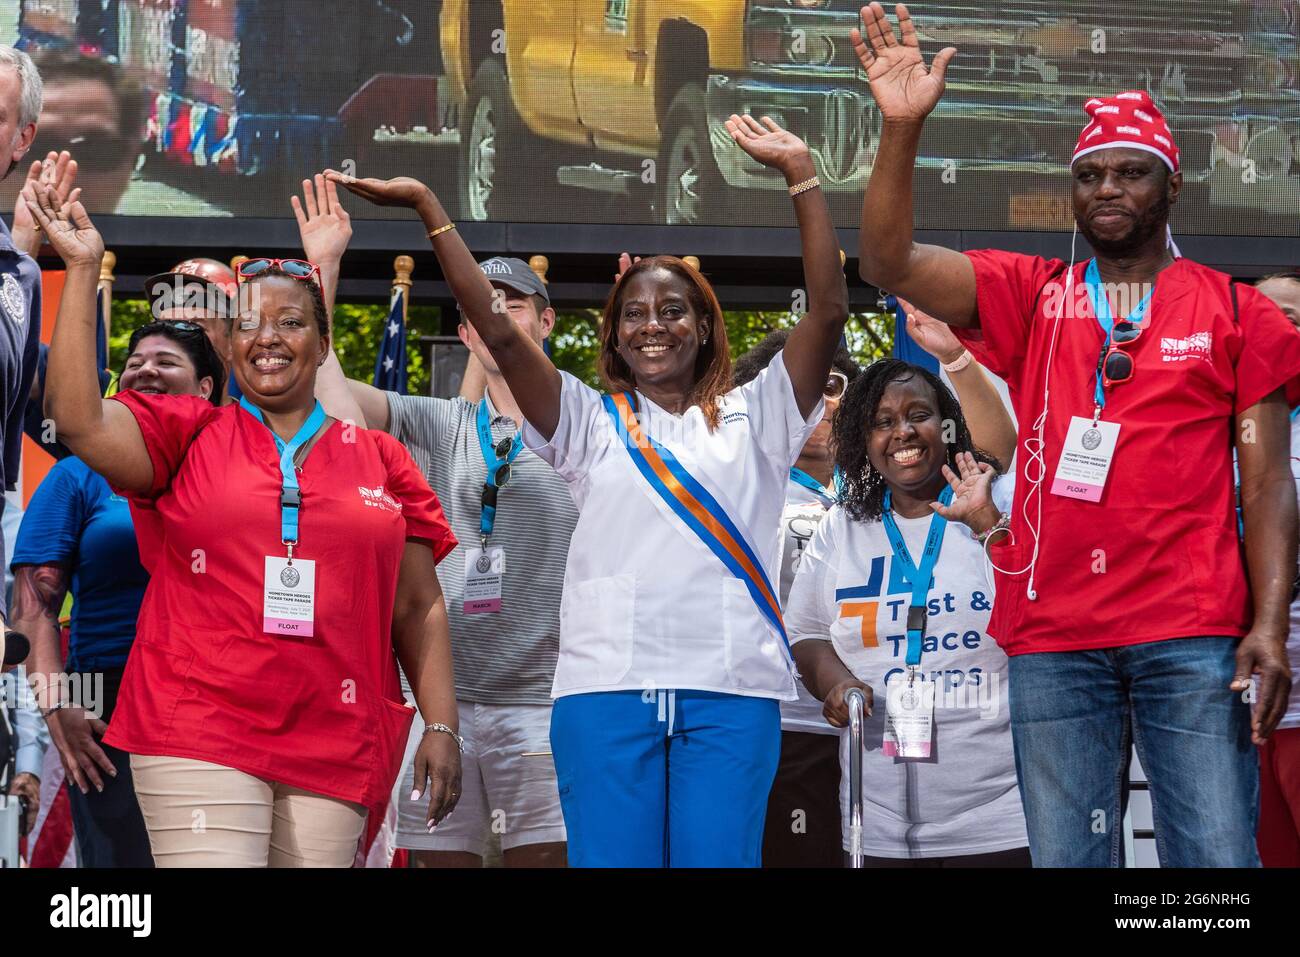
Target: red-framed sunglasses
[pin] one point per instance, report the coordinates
(293, 268)
(1115, 364)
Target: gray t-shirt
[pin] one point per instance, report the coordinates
(505, 657)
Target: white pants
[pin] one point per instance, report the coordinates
(502, 790)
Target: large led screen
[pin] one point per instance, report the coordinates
(612, 111)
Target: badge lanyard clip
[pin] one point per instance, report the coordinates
(917, 615)
(498, 459)
(290, 493)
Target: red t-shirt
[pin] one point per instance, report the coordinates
(1158, 557)
(203, 680)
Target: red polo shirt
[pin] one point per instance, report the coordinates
(203, 680)
(1158, 557)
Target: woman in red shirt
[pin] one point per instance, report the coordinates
(290, 556)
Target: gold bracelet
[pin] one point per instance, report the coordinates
(806, 185)
(441, 229)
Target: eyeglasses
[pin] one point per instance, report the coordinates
(293, 268)
(1115, 364)
(837, 383)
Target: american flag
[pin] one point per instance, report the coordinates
(390, 363)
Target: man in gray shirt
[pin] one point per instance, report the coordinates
(513, 517)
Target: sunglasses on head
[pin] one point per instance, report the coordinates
(180, 325)
(293, 268)
(1116, 364)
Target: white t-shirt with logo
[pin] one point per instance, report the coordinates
(646, 604)
(963, 799)
(1292, 717)
(803, 513)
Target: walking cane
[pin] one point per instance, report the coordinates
(857, 704)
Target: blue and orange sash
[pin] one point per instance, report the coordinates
(693, 503)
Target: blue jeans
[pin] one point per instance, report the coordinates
(1075, 716)
(665, 779)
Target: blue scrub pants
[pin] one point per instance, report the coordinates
(665, 778)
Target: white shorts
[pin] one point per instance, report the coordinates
(501, 790)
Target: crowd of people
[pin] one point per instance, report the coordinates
(621, 628)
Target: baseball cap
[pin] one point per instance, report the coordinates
(171, 289)
(516, 274)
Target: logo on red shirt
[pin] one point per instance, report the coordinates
(378, 498)
(1195, 346)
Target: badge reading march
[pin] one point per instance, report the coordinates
(289, 597)
(909, 718)
(484, 570)
(1085, 460)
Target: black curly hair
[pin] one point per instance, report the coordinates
(863, 492)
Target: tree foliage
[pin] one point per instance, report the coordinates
(574, 344)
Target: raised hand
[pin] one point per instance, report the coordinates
(930, 334)
(401, 191)
(58, 170)
(972, 498)
(625, 262)
(70, 231)
(323, 223)
(768, 143)
(902, 85)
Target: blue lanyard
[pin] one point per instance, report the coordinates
(290, 496)
(800, 477)
(1101, 309)
(498, 469)
(1295, 412)
(919, 577)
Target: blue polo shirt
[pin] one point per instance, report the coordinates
(74, 519)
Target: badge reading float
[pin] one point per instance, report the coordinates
(1085, 459)
(289, 597)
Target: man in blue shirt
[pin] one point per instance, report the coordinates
(20, 278)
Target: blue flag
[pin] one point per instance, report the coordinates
(905, 346)
(390, 363)
(101, 346)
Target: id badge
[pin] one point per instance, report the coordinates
(909, 718)
(1085, 460)
(484, 571)
(289, 597)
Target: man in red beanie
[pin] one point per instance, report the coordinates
(1131, 612)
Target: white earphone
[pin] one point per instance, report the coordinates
(1034, 445)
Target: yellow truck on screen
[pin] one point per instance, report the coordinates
(628, 98)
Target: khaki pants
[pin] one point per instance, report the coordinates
(205, 815)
